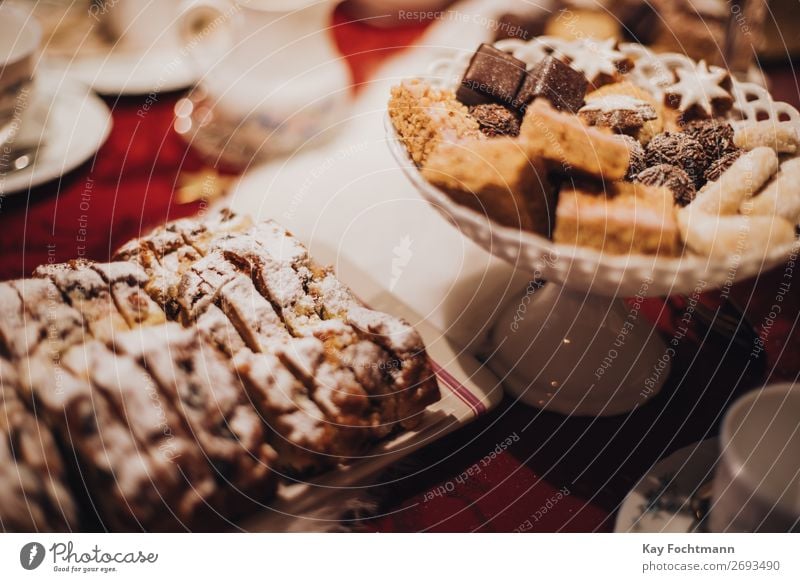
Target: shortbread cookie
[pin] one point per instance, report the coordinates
(744, 178)
(782, 137)
(726, 236)
(425, 117)
(495, 178)
(570, 146)
(780, 197)
(633, 218)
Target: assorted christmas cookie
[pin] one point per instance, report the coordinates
(609, 137)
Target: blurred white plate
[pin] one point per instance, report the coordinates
(161, 68)
(68, 122)
(661, 501)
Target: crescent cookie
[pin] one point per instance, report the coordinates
(744, 178)
(780, 197)
(725, 236)
(782, 137)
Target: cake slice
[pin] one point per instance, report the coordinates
(302, 433)
(217, 330)
(45, 324)
(88, 294)
(183, 477)
(32, 476)
(629, 218)
(124, 485)
(127, 281)
(199, 385)
(19, 334)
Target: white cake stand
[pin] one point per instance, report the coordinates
(573, 345)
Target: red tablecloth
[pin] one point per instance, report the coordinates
(557, 474)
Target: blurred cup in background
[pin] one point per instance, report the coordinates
(20, 37)
(272, 78)
(139, 24)
(757, 484)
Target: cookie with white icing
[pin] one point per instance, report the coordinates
(699, 93)
(599, 61)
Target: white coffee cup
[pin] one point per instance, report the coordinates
(270, 71)
(140, 24)
(20, 37)
(757, 484)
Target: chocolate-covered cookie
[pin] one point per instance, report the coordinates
(637, 162)
(560, 84)
(681, 150)
(716, 136)
(671, 177)
(495, 119)
(717, 167)
(492, 76)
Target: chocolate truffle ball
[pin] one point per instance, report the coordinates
(681, 150)
(716, 136)
(718, 166)
(637, 163)
(496, 120)
(670, 177)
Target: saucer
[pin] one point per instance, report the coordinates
(70, 123)
(662, 500)
(157, 70)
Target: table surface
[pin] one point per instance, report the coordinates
(558, 474)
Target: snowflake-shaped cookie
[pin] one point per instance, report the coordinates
(700, 89)
(593, 58)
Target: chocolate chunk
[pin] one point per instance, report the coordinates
(637, 163)
(524, 26)
(496, 120)
(670, 177)
(717, 167)
(492, 75)
(560, 84)
(714, 135)
(681, 150)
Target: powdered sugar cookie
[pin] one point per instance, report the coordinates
(744, 178)
(783, 137)
(736, 235)
(781, 197)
